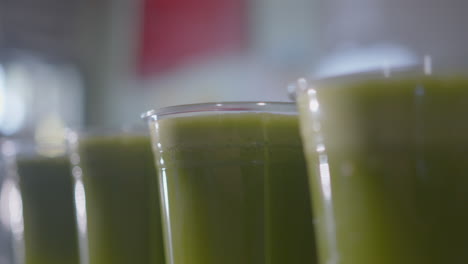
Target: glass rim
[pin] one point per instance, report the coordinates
(217, 107)
(429, 69)
(375, 73)
(415, 72)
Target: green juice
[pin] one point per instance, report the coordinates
(122, 200)
(389, 169)
(234, 189)
(50, 235)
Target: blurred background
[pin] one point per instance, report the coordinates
(87, 63)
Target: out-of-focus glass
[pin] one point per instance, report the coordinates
(388, 163)
(233, 184)
(383, 121)
(117, 198)
(40, 203)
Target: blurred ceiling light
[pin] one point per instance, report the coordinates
(50, 136)
(12, 104)
(14, 113)
(2, 93)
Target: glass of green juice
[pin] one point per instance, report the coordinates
(387, 155)
(39, 193)
(117, 197)
(233, 184)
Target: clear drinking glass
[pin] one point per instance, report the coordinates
(40, 203)
(233, 183)
(117, 197)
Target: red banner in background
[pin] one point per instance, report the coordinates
(176, 32)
